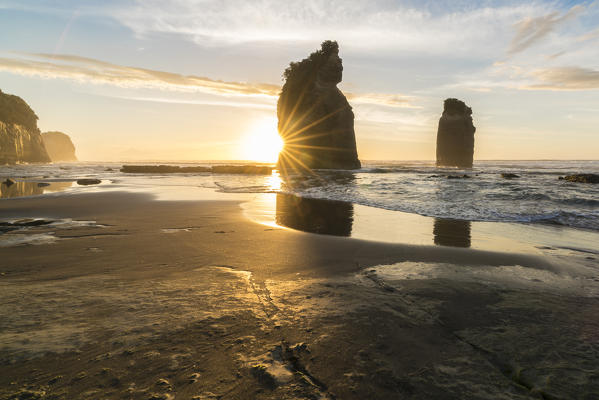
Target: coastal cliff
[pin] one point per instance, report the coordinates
(19, 144)
(455, 135)
(59, 146)
(316, 121)
(20, 139)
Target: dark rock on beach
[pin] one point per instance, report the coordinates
(217, 169)
(581, 178)
(316, 121)
(88, 181)
(458, 176)
(509, 175)
(59, 146)
(161, 169)
(26, 222)
(242, 169)
(455, 135)
(9, 182)
(261, 373)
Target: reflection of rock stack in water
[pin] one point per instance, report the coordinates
(313, 215)
(315, 120)
(452, 232)
(455, 136)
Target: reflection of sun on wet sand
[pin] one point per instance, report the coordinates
(138, 309)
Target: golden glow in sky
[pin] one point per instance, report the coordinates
(262, 141)
(190, 82)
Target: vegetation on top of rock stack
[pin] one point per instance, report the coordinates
(300, 77)
(453, 106)
(305, 72)
(14, 110)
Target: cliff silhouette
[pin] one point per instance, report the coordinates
(315, 119)
(59, 146)
(20, 139)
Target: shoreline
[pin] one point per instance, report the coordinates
(111, 203)
(366, 222)
(390, 226)
(174, 299)
(536, 198)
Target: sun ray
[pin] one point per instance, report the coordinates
(312, 124)
(293, 111)
(303, 116)
(286, 153)
(306, 137)
(307, 146)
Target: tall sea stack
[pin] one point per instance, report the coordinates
(20, 139)
(59, 146)
(455, 136)
(315, 120)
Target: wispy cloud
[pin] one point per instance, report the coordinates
(261, 106)
(588, 36)
(441, 26)
(381, 99)
(89, 70)
(517, 77)
(463, 37)
(94, 71)
(532, 30)
(565, 78)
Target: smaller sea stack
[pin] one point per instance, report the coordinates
(455, 136)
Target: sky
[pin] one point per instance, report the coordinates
(199, 79)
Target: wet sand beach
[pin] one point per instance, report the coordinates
(120, 296)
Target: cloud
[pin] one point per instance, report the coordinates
(519, 77)
(259, 106)
(446, 27)
(440, 41)
(89, 70)
(99, 72)
(531, 30)
(381, 99)
(588, 36)
(442, 26)
(556, 55)
(565, 78)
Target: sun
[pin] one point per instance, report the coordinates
(262, 141)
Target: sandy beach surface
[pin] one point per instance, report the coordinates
(116, 295)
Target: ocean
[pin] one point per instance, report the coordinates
(536, 196)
